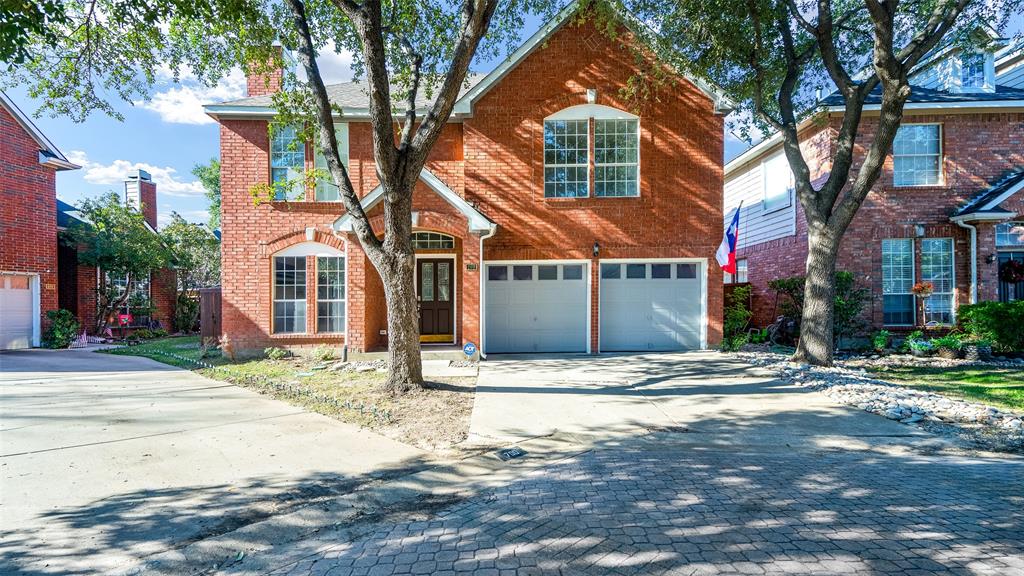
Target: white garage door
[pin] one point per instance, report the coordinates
(16, 312)
(651, 306)
(536, 307)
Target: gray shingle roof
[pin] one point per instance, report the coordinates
(930, 95)
(979, 203)
(353, 95)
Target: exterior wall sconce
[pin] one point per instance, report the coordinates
(990, 259)
(597, 248)
(919, 230)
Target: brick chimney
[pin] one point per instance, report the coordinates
(140, 190)
(262, 82)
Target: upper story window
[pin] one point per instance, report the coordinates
(917, 155)
(569, 157)
(326, 189)
(972, 70)
(287, 159)
(778, 183)
(1010, 234)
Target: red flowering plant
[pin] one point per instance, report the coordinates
(1012, 271)
(923, 289)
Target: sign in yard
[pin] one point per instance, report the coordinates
(469, 349)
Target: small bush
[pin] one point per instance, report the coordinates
(1002, 323)
(143, 334)
(950, 341)
(880, 340)
(737, 316)
(63, 330)
(324, 352)
(275, 353)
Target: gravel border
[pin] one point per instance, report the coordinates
(849, 383)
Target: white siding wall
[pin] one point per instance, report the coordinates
(1012, 77)
(756, 226)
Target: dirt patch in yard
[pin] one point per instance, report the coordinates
(434, 418)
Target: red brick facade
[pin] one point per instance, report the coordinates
(977, 149)
(494, 160)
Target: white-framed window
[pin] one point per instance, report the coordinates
(287, 158)
(1010, 234)
(778, 183)
(289, 294)
(917, 155)
(330, 294)
(616, 157)
(972, 70)
(741, 273)
(898, 307)
(937, 268)
(432, 241)
(566, 166)
(326, 189)
(140, 300)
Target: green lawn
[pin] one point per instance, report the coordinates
(433, 417)
(1002, 387)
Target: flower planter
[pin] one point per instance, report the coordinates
(976, 352)
(919, 353)
(948, 353)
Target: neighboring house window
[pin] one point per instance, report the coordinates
(917, 155)
(138, 303)
(741, 273)
(778, 183)
(432, 241)
(326, 189)
(972, 70)
(330, 294)
(897, 281)
(616, 157)
(937, 268)
(287, 157)
(1010, 234)
(289, 294)
(566, 143)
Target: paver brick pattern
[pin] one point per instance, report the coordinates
(670, 511)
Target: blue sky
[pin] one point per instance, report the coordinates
(169, 134)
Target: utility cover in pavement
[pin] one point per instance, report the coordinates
(510, 453)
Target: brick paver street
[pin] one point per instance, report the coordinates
(681, 510)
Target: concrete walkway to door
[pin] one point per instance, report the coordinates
(718, 399)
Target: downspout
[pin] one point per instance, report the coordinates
(490, 232)
(974, 259)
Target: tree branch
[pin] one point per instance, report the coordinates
(410, 100)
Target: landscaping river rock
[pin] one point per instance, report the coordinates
(849, 383)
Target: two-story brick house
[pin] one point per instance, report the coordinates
(551, 216)
(942, 211)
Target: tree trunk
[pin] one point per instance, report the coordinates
(816, 326)
(405, 368)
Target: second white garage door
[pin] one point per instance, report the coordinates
(17, 312)
(651, 306)
(536, 307)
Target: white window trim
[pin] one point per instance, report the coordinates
(344, 301)
(309, 249)
(790, 190)
(942, 160)
(595, 112)
(274, 299)
(546, 165)
(952, 282)
(614, 164)
(913, 278)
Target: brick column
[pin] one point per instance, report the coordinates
(988, 273)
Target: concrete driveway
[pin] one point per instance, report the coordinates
(718, 399)
(108, 458)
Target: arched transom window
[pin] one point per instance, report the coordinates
(432, 241)
(569, 156)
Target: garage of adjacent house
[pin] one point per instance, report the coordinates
(643, 305)
(18, 312)
(536, 307)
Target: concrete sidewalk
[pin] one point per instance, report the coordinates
(105, 459)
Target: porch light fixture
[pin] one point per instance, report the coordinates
(597, 248)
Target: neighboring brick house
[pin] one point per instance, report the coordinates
(29, 162)
(154, 300)
(942, 210)
(549, 218)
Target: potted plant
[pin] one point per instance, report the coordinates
(920, 348)
(977, 349)
(922, 290)
(948, 346)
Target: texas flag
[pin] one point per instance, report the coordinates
(726, 254)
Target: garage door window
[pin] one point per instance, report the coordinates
(572, 272)
(686, 271)
(522, 272)
(17, 282)
(547, 272)
(661, 271)
(636, 271)
(497, 273)
(611, 271)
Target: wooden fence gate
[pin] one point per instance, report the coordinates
(209, 313)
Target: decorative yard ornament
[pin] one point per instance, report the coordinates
(1012, 271)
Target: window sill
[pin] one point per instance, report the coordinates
(308, 335)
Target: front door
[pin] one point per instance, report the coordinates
(434, 288)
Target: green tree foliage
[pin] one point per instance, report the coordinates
(63, 328)
(209, 176)
(736, 318)
(1002, 323)
(195, 253)
(118, 241)
(850, 302)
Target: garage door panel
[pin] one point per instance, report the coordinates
(16, 312)
(534, 315)
(656, 314)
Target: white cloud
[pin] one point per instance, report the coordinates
(182, 102)
(165, 177)
(193, 216)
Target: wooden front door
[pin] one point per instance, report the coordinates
(434, 287)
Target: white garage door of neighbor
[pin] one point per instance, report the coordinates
(536, 308)
(651, 306)
(16, 313)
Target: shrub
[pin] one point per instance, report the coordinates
(951, 341)
(324, 352)
(275, 353)
(880, 340)
(186, 313)
(737, 315)
(143, 334)
(1002, 323)
(850, 301)
(63, 330)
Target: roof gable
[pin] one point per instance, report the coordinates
(989, 199)
(49, 155)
